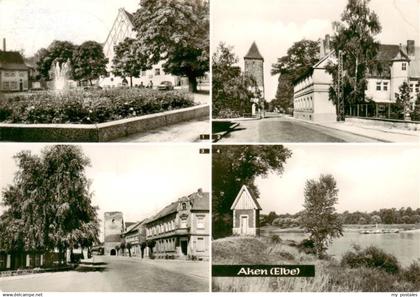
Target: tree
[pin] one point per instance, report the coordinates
(355, 40)
(125, 63)
(123, 246)
(89, 62)
(176, 32)
(57, 51)
(415, 115)
(234, 166)
(232, 90)
(48, 206)
(299, 59)
(129, 246)
(403, 103)
(320, 218)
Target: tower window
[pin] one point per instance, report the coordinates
(404, 66)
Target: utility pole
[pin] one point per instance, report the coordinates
(339, 91)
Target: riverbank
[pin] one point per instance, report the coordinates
(330, 274)
(347, 228)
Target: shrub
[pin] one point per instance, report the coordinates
(95, 106)
(371, 257)
(275, 239)
(307, 246)
(412, 273)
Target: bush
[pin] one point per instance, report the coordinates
(371, 257)
(412, 273)
(89, 107)
(307, 246)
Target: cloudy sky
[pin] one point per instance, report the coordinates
(276, 24)
(368, 177)
(31, 25)
(137, 180)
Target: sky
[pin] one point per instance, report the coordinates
(138, 180)
(276, 24)
(368, 177)
(31, 25)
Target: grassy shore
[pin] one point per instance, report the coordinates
(330, 275)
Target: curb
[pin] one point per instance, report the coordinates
(99, 132)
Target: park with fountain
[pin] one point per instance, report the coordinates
(66, 112)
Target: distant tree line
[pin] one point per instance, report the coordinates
(382, 216)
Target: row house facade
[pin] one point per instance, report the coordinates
(401, 63)
(181, 229)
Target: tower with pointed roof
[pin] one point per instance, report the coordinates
(254, 66)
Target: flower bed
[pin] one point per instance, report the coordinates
(89, 107)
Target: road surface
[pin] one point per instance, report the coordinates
(283, 129)
(122, 274)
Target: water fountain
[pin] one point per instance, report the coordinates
(61, 75)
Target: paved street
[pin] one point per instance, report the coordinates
(189, 131)
(277, 128)
(122, 274)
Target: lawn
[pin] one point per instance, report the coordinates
(89, 107)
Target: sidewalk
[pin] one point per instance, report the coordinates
(378, 133)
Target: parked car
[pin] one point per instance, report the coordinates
(165, 86)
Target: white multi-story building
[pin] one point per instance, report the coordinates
(401, 64)
(121, 29)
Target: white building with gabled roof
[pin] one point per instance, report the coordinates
(246, 214)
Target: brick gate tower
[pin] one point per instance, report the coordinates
(254, 66)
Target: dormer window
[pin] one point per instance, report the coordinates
(404, 66)
(184, 206)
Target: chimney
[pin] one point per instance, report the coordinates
(327, 44)
(321, 48)
(4, 44)
(411, 48)
(200, 191)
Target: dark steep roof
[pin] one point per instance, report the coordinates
(254, 53)
(130, 16)
(388, 52)
(199, 201)
(12, 61)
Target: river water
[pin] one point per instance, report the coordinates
(405, 246)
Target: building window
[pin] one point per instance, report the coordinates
(200, 222)
(411, 88)
(183, 223)
(184, 206)
(21, 74)
(404, 66)
(378, 86)
(5, 85)
(417, 88)
(157, 71)
(385, 86)
(200, 244)
(13, 85)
